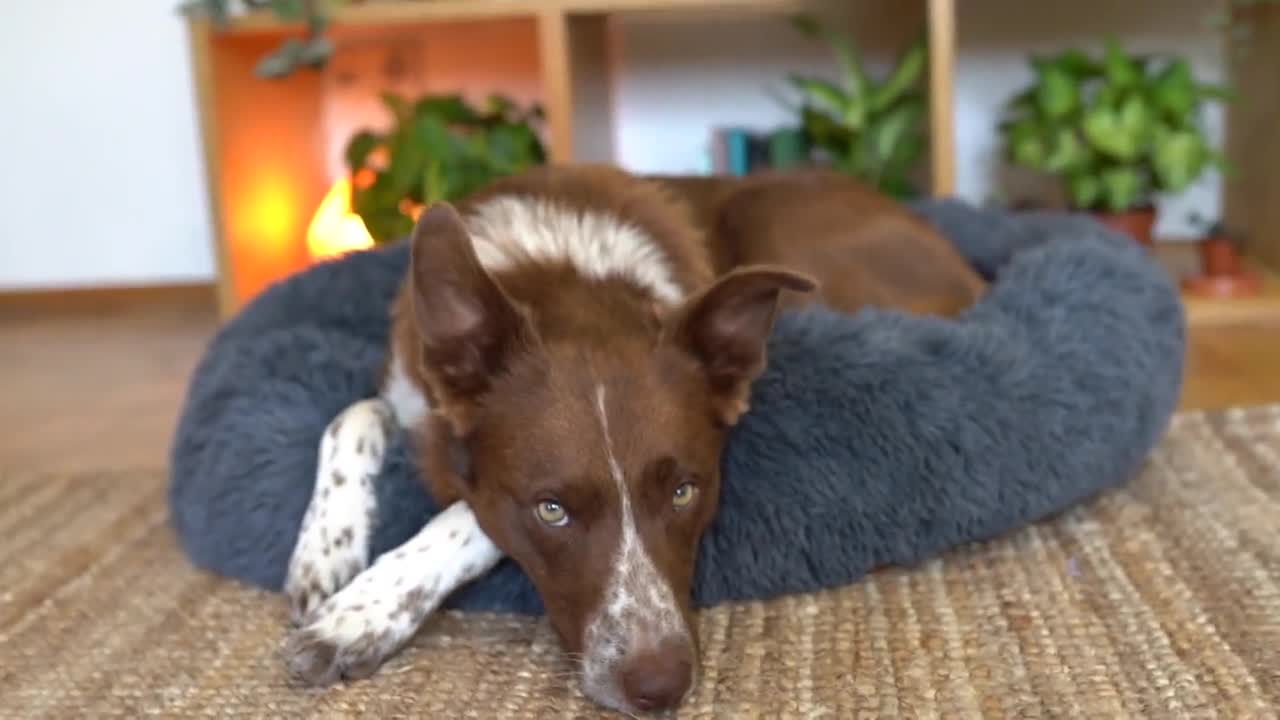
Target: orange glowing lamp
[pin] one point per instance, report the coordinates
(335, 229)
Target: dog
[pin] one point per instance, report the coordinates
(571, 347)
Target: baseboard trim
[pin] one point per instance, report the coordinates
(195, 296)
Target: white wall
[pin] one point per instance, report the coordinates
(101, 181)
(680, 80)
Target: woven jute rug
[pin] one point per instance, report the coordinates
(1158, 600)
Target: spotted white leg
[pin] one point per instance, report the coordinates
(333, 543)
(353, 632)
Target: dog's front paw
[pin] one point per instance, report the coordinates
(333, 542)
(320, 654)
(312, 580)
(351, 634)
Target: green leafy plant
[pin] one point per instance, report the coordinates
(867, 127)
(1116, 129)
(438, 148)
(312, 51)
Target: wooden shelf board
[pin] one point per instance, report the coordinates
(387, 13)
(393, 13)
(608, 6)
(1262, 308)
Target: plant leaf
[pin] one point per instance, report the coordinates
(1121, 187)
(1085, 190)
(1137, 118)
(317, 23)
(1107, 96)
(893, 128)
(433, 183)
(321, 12)
(823, 92)
(432, 134)
(359, 147)
(513, 147)
(1057, 92)
(908, 73)
(1121, 70)
(289, 10)
(1023, 102)
(852, 72)
(848, 56)
(1110, 132)
(409, 154)
(282, 62)
(1025, 143)
(450, 109)
(1178, 158)
(1078, 64)
(1067, 154)
(823, 130)
(216, 10)
(317, 52)
(806, 24)
(1221, 93)
(1173, 89)
(399, 107)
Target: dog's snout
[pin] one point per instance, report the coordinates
(658, 679)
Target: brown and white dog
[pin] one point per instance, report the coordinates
(570, 347)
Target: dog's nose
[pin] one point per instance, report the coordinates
(658, 679)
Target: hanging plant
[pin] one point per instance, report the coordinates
(311, 51)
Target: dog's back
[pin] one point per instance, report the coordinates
(863, 248)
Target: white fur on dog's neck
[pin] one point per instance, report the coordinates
(510, 230)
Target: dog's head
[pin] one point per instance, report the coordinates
(586, 434)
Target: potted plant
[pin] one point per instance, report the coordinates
(439, 148)
(1115, 130)
(870, 128)
(1222, 274)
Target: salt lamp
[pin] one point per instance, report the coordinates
(335, 229)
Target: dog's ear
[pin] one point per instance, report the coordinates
(727, 327)
(468, 328)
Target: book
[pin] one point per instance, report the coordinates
(739, 151)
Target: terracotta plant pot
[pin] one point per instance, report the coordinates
(1218, 256)
(1136, 223)
(1221, 273)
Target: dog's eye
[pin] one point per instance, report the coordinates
(552, 513)
(684, 495)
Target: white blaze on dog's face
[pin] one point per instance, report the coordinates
(584, 424)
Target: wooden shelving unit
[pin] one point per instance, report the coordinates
(1252, 194)
(260, 136)
(570, 37)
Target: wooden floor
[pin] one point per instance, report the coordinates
(100, 387)
(88, 388)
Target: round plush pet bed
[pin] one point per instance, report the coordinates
(874, 439)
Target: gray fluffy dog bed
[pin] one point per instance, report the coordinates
(875, 439)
